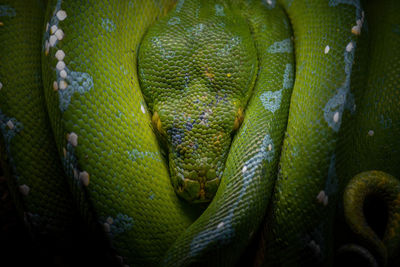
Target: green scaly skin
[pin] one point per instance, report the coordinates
(221, 233)
(109, 151)
(106, 137)
(198, 102)
(380, 184)
(371, 141)
(306, 190)
(27, 145)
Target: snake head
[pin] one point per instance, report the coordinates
(198, 131)
(197, 74)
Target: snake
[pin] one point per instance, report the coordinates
(180, 132)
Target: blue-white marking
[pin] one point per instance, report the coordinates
(288, 77)
(174, 21)
(80, 82)
(227, 49)
(136, 154)
(108, 24)
(271, 100)
(119, 225)
(270, 4)
(164, 52)
(333, 109)
(223, 232)
(179, 5)
(284, 46)
(9, 128)
(196, 30)
(219, 10)
(7, 11)
(354, 3)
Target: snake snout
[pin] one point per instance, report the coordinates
(197, 184)
(198, 191)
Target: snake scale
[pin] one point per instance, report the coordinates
(181, 131)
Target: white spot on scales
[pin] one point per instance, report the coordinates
(24, 189)
(52, 40)
(322, 198)
(53, 29)
(63, 74)
(371, 133)
(60, 55)
(61, 15)
(336, 116)
(10, 125)
(72, 138)
(63, 85)
(269, 147)
(59, 34)
(55, 86)
(349, 47)
(47, 47)
(357, 28)
(84, 177)
(244, 169)
(60, 65)
(327, 48)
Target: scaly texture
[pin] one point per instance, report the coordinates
(305, 192)
(221, 233)
(385, 186)
(198, 91)
(102, 126)
(372, 139)
(105, 135)
(39, 184)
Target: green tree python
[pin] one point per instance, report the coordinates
(175, 130)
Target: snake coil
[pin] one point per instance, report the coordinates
(269, 108)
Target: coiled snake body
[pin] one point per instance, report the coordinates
(267, 109)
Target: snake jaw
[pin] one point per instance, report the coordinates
(197, 191)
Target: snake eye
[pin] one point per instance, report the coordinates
(157, 123)
(238, 120)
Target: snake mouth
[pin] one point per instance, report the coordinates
(198, 191)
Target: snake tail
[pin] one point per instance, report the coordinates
(384, 186)
(371, 138)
